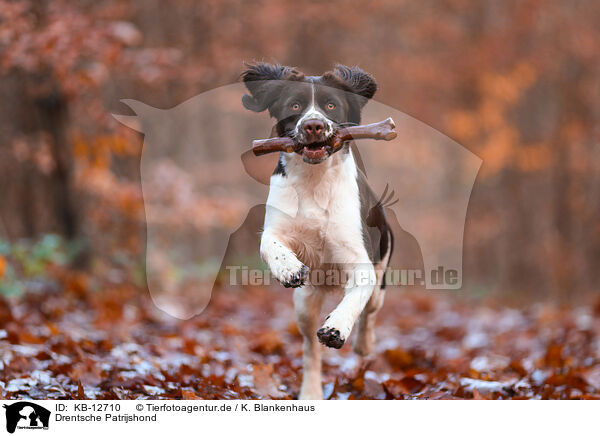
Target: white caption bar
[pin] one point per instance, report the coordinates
(283, 417)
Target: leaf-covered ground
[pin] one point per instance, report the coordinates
(113, 344)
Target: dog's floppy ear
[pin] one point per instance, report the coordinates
(359, 82)
(263, 80)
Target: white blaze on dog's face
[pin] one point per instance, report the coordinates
(309, 109)
(314, 125)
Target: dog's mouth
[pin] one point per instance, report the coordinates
(315, 152)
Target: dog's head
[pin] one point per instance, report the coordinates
(308, 108)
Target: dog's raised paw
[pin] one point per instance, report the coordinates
(330, 337)
(298, 279)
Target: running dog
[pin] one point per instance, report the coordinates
(321, 215)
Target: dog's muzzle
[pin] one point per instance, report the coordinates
(314, 134)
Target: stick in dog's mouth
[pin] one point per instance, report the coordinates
(383, 130)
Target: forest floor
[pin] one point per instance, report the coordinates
(113, 344)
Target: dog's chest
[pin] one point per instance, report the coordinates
(327, 226)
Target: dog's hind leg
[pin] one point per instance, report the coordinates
(307, 305)
(365, 334)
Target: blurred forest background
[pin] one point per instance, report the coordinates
(515, 82)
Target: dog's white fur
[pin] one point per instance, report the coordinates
(313, 219)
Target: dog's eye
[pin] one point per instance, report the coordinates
(295, 106)
(330, 106)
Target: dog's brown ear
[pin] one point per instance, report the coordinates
(358, 81)
(263, 80)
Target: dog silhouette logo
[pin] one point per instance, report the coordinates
(26, 415)
(202, 203)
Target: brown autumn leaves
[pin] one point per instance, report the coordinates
(112, 343)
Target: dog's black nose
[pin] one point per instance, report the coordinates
(313, 128)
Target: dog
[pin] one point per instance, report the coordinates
(321, 215)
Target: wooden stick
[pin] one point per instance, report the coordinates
(383, 130)
(271, 145)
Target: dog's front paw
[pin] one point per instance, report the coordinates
(290, 272)
(296, 279)
(331, 337)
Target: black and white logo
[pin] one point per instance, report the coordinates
(26, 415)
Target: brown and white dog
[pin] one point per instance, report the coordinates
(321, 215)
